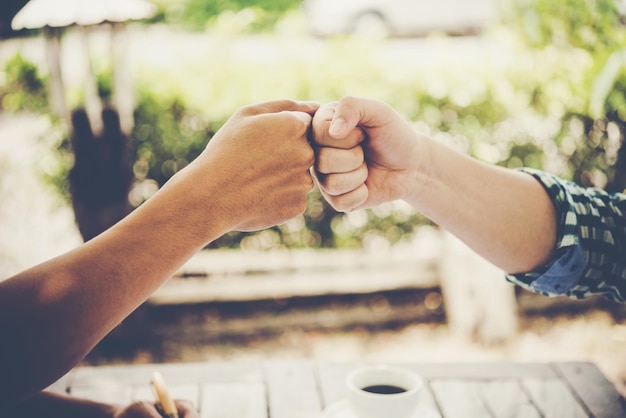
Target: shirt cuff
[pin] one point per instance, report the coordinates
(561, 275)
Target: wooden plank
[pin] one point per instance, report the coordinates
(114, 393)
(277, 285)
(212, 372)
(111, 375)
(499, 390)
(507, 399)
(331, 377)
(553, 398)
(292, 390)
(125, 383)
(590, 386)
(333, 373)
(481, 371)
(219, 275)
(239, 262)
(62, 385)
(178, 391)
(459, 399)
(427, 407)
(233, 400)
(172, 373)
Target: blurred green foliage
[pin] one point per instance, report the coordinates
(246, 15)
(590, 25)
(166, 137)
(22, 87)
(588, 140)
(543, 99)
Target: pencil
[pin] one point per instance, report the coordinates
(163, 396)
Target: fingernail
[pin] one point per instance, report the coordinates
(337, 126)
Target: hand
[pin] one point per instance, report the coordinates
(367, 154)
(261, 160)
(142, 409)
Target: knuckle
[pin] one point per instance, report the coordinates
(320, 122)
(286, 103)
(334, 183)
(339, 203)
(303, 127)
(310, 184)
(292, 124)
(305, 154)
(323, 161)
(357, 153)
(345, 203)
(363, 172)
(247, 110)
(348, 100)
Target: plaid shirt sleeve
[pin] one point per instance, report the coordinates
(590, 255)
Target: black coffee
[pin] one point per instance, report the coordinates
(384, 389)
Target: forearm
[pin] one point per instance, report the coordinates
(53, 314)
(254, 173)
(504, 215)
(52, 405)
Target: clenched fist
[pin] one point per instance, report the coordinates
(367, 154)
(257, 167)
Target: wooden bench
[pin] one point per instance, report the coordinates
(478, 301)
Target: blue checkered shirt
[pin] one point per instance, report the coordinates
(590, 255)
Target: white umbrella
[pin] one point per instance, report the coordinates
(61, 13)
(52, 15)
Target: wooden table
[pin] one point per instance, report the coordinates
(302, 389)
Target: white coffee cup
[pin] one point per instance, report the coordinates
(383, 391)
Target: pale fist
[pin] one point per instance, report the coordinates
(367, 154)
(340, 166)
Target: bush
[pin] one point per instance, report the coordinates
(22, 87)
(532, 110)
(261, 15)
(167, 136)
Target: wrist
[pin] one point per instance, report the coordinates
(196, 206)
(422, 171)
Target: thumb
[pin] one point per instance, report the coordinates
(357, 111)
(349, 113)
(339, 127)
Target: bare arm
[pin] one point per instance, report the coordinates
(253, 174)
(371, 155)
(504, 215)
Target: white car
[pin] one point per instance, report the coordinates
(398, 17)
